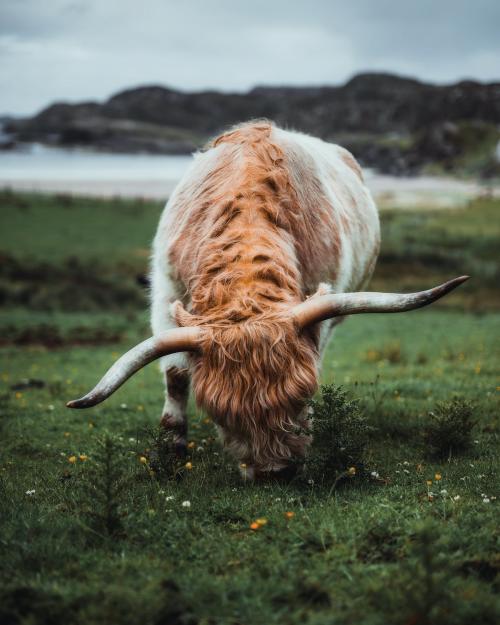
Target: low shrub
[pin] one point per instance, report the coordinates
(340, 435)
(450, 428)
(104, 489)
(163, 457)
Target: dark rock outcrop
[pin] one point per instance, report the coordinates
(395, 124)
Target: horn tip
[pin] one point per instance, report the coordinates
(458, 281)
(77, 403)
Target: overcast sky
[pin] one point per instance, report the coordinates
(74, 50)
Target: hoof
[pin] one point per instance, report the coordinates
(284, 474)
(180, 450)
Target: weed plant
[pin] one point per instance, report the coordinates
(103, 488)
(450, 429)
(339, 438)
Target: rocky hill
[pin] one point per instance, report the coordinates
(396, 124)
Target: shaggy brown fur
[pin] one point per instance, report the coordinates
(257, 252)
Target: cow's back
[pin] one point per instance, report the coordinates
(329, 181)
(322, 208)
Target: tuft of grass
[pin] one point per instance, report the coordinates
(380, 543)
(163, 458)
(390, 352)
(449, 431)
(340, 435)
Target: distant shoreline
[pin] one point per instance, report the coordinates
(98, 174)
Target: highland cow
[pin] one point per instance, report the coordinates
(260, 252)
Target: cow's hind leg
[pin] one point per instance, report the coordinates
(174, 417)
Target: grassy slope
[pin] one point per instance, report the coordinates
(367, 553)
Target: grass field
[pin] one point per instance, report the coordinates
(89, 533)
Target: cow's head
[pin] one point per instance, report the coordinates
(253, 376)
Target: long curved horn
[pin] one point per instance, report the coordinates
(333, 305)
(169, 342)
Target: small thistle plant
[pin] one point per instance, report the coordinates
(450, 428)
(105, 488)
(163, 458)
(340, 435)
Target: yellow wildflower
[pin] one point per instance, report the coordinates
(189, 466)
(351, 471)
(191, 444)
(254, 526)
(437, 477)
(143, 460)
(72, 459)
(261, 522)
(83, 457)
(289, 515)
(429, 482)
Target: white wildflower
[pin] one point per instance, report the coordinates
(169, 498)
(444, 492)
(124, 406)
(486, 500)
(375, 474)
(186, 504)
(30, 493)
(456, 498)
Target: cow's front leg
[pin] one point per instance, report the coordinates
(174, 416)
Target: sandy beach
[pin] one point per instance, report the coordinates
(76, 172)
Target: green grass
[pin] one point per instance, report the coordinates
(102, 540)
(51, 229)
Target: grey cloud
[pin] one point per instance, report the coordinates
(84, 49)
